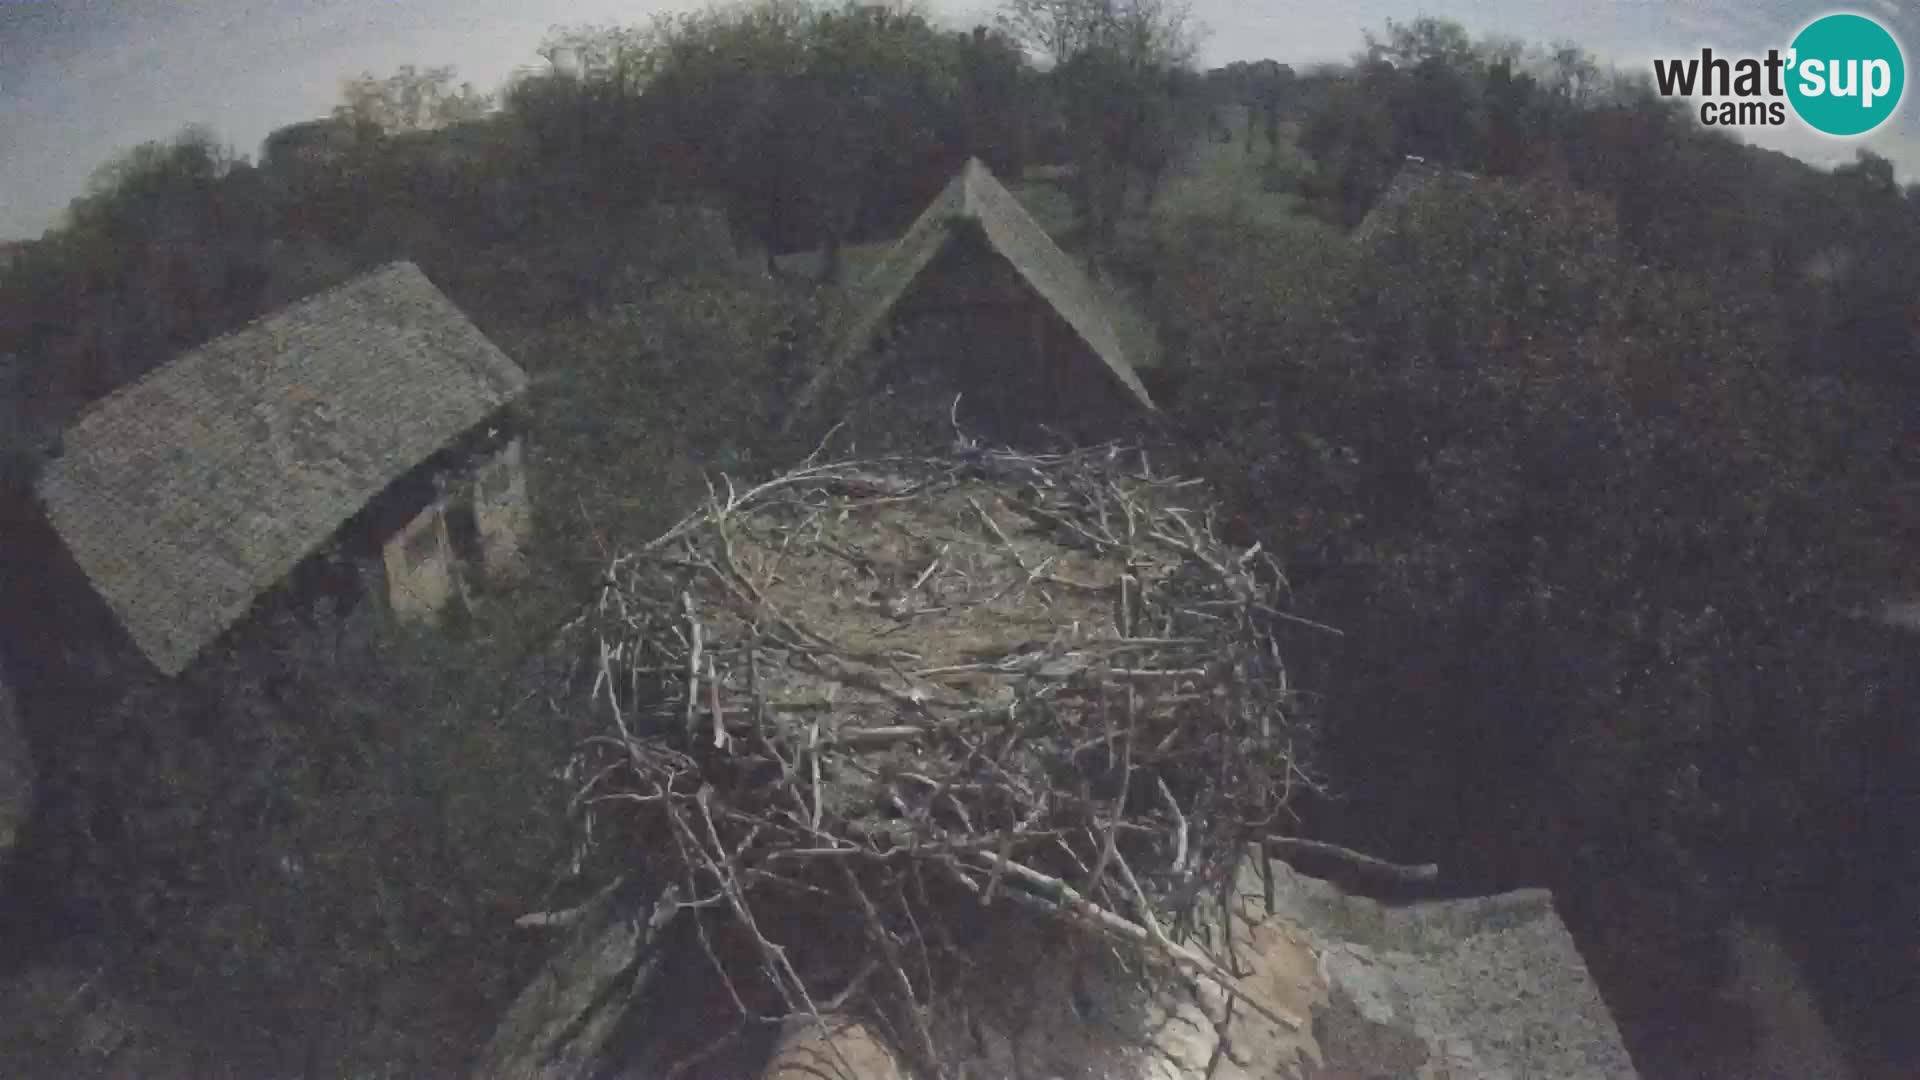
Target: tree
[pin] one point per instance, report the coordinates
(1590, 525)
(1264, 88)
(308, 144)
(410, 99)
(1055, 30)
(1518, 127)
(880, 132)
(994, 88)
(1439, 113)
(1573, 74)
(166, 248)
(815, 124)
(1354, 139)
(1117, 72)
(623, 57)
(1151, 33)
(1407, 45)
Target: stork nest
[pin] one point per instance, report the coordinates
(855, 705)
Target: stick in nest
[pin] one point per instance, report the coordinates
(693, 662)
(1281, 845)
(1075, 905)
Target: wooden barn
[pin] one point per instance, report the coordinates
(370, 420)
(1008, 310)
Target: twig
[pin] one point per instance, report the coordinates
(1012, 551)
(1107, 850)
(775, 955)
(925, 574)
(1289, 617)
(909, 1001)
(1077, 905)
(1180, 827)
(569, 916)
(719, 723)
(1139, 897)
(820, 447)
(691, 1061)
(693, 661)
(813, 766)
(1281, 845)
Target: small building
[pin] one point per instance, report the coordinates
(369, 419)
(1013, 308)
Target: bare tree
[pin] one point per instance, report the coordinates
(410, 99)
(1053, 29)
(620, 57)
(1573, 73)
(1141, 32)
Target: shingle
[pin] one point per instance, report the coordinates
(185, 495)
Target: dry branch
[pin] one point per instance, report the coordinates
(1282, 845)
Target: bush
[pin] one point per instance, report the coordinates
(321, 836)
(1229, 297)
(635, 402)
(1568, 509)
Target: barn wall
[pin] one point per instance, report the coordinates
(419, 565)
(501, 510)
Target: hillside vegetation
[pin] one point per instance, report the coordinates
(1590, 448)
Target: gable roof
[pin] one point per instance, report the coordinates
(186, 494)
(975, 195)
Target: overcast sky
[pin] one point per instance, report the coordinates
(82, 79)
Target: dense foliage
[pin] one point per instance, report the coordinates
(308, 848)
(1596, 452)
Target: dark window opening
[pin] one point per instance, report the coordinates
(463, 532)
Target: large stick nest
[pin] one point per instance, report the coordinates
(854, 706)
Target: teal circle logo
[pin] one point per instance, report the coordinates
(1846, 74)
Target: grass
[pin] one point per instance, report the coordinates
(1225, 180)
(855, 261)
(1217, 181)
(1041, 193)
